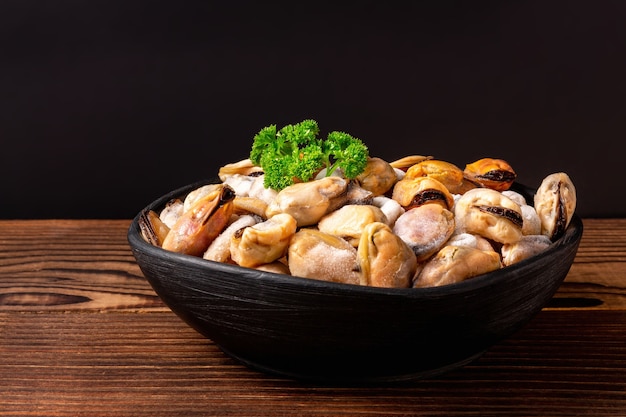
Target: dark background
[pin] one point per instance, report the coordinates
(106, 105)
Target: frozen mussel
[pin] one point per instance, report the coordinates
(243, 167)
(208, 213)
(492, 173)
(309, 201)
(385, 259)
(455, 264)
(219, 249)
(489, 213)
(415, 222)
(445, 172)
(172, 212)
(555, 202)
(379, 176)
(264, 242)
(318, 255)
(524, 248)
(349, 221)
(414, 192)
(406, 162)
(152, 228)
(425, 229)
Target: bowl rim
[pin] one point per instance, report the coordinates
(572, 235)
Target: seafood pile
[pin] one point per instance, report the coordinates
(414, 222)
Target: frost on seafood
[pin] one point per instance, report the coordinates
(411, 223)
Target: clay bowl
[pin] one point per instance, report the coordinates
(340, 333)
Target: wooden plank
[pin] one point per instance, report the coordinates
(123, 364)
(597, 279)
(70, 265)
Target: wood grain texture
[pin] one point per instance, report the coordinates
(597, 279)
(70, 265)
(153, 365)
(82, 333)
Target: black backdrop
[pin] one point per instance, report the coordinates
(106, 105)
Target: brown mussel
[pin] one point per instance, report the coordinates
(492, 173)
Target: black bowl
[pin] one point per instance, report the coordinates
(341, 333)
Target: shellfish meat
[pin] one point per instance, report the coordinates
(489, 213)
(555, 202)
(386, 261)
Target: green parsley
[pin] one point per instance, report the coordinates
(295, 153)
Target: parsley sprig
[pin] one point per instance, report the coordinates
(295, 153)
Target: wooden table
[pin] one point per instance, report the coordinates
(83, 334)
